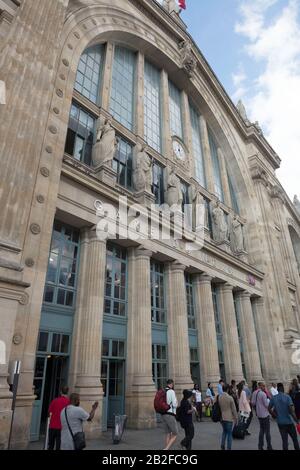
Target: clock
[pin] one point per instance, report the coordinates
(179, 150)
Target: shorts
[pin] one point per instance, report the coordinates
(170, 424)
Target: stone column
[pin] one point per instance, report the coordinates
(207, 336)
(210, 182)
(107, 76)
(178, 338)
(248, 333)
(232, 353)
(224, 178)
(270, 371)
(166, 132)
(140, 389)
(89, 340)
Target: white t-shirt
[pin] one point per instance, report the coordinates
(76, 417)
(273, 391)
(198, 396)
(172, 400)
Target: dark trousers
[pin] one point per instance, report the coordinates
(264, 424)
(54, 439)
(199, 409)
(287, 430)
(189, 435)
(249, 420)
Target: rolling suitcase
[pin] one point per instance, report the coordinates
(239, 430)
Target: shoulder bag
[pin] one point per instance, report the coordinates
(78, 438)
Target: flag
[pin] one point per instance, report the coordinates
(182, 4)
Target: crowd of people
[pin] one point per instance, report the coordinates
(237, 404)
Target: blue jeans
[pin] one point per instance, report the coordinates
(227, 434)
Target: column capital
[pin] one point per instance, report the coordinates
(243, 294)
(141, 252)
(175, 266)
(203, 278)
(259, 301)
(226, 287)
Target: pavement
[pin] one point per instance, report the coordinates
(207, 437)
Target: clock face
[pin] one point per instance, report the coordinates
(178, 150)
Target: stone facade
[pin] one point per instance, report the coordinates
(248, 297)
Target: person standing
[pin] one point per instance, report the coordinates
(260, 403)
(229, 417)
(169, 418)
(273, 390)
(209, 399)
(244, 407)
(220, 387)
(186, 419)
(55, 408)
(72, 417)
(285, 411)
(198, 401)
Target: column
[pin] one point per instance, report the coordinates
(139, 98)
(207, 156)
(207, 337)
(270, 370)
(224, 178)
(107, 76)
(248, 333)
(165, 118)
(178, 338)
(89, 333)
(140, 389)
(232, 353)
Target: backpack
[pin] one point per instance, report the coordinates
(160, 402)
(216, 414)
(178, 414)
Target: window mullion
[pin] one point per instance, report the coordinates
(107, 76)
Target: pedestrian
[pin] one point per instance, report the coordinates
(244, 407)
(285, 411)
(169, 418)
(198, 401)
(55, 408)
(294, 387)
(209, 399)
(297, 402)
(186, 419)
(273, 390)
(260, 403)
(72, 418)
(233, 393)
(220, 387)
(229, 417)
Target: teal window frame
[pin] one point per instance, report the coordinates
(114, 300)
(197, 147)
(60, 243)
(176, 118)
(152, 106)
(190, 301)
(160, 364)
(158, 302)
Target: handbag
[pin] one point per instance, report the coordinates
(78, 437)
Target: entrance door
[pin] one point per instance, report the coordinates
(50, 376)
(112, 378)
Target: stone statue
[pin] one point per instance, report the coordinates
(242, 111)
(220, 227)
(188, 61)
(142, 174)
(106, 145)
(200, 215)
(297, 203)
(174, 193)
(236, 235)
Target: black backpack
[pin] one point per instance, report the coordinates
(216, 414)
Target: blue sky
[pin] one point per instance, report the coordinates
(253, 46)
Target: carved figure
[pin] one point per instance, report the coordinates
(297, 203)
(106, 145)
(188, 61)
(142, 175)
(220, 227)
(236, 235)
(174, 193)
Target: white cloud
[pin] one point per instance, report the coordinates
(273, 98)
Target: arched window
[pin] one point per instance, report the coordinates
(234, 201)
(197, 147)
(296, 245)
(175, 111)
(216, 167)
(89, 73)
(122, 89)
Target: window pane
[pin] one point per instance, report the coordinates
(175, 111)
(123, 163)
(105, 347)
(122, 94)
(43, 341)
(216, 167)
(197, 147)
(55, 343)
(49, 294)
(89, 72)
(64, 344)
(152, 115)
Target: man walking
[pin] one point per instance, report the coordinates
(55, 408)
(220, 387)
(169, 418)
(284, 409)
(260, 403)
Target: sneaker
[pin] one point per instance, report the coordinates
(222, 447)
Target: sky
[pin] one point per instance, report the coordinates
(253, 46)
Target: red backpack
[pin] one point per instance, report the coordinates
(160, 402)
